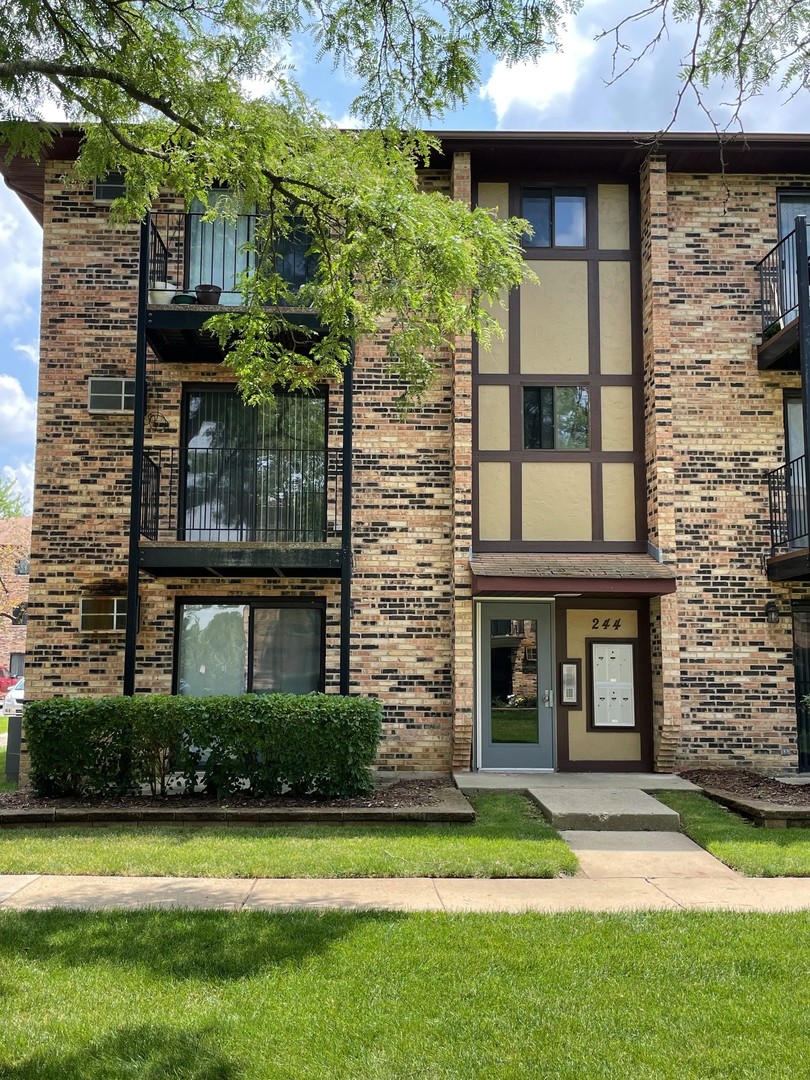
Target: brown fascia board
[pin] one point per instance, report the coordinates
(514, 152)
(26, 176)
(503, 153)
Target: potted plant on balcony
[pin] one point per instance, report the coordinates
(208, 294)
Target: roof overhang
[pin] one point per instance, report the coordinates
(26, 176)
(522, 574)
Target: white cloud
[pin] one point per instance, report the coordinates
(539, 85)
(18, 412)
(23, 475)
(30, 351)
(20, 260)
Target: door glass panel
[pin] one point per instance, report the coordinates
(286, 650)
(212, 657)
(513, 680)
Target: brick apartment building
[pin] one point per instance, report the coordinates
(587, 550)
(15, 545)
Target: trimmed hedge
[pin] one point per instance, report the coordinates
(257, 744)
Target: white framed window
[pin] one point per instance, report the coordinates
(110, 395)
(102, 613)
(109, 187)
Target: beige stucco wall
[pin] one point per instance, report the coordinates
(584, 745)
(556, 500)
(494, 501)
(554, 319)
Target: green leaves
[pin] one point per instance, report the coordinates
(313, 744)
(158, 90)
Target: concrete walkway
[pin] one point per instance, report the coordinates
(622, 871)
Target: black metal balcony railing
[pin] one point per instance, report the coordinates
(778, 289)
(216, 494)
(787, 494)
(185, 251)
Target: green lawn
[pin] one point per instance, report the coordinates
(389, 996)
(514, 725)
(753, 851)
(509, 839)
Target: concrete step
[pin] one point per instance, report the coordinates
(604, 809)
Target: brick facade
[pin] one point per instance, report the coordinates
(715, 427)
(15, 544)
(721, 677)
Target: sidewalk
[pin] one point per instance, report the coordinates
(620, 871)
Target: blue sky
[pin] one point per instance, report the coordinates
(563, 92)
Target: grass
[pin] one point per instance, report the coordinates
(389, 996)
(514, 725)
(509, 839)
(736, 842)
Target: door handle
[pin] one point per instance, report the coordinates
(548, 699)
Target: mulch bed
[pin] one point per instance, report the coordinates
(402, 793)
(750, 785)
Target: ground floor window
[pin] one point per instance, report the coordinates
(239, 646)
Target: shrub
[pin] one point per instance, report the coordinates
(315, 744)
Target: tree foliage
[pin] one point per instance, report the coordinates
(12, 503)
(165, 91)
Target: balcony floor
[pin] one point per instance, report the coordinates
(182, 558)
(175, 333)
(793, 565)
(781, 351)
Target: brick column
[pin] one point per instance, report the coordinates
(463, 675)
(660, 453)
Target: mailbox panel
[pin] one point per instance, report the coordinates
(612, 685)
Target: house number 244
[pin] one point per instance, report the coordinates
(606, 624)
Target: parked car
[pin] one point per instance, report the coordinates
(7, 680)
(13, 701)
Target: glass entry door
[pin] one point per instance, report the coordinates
(516, 688)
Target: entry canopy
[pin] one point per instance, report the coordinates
(545, 574)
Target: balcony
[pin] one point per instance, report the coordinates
(230, 512)
(779, 304)
(787, 496)
(186, 251)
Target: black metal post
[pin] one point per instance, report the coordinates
(346, 528)
(131, 638)
(803, 287)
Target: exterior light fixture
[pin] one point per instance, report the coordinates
(772, 612)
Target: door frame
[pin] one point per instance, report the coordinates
(479, 607)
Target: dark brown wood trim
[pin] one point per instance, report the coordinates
(561, 649)
(596, 587)
(515, 503)
(569, 547)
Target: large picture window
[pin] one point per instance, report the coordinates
(253, 473)
(236, 647)
(556, 418)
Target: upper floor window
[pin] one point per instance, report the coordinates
(556, 418)
(557, 216)
(253, 472)
(109, 187)
(19, 615)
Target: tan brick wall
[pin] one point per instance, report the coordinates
(403, 566)
(463, 645)
(715, 427)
